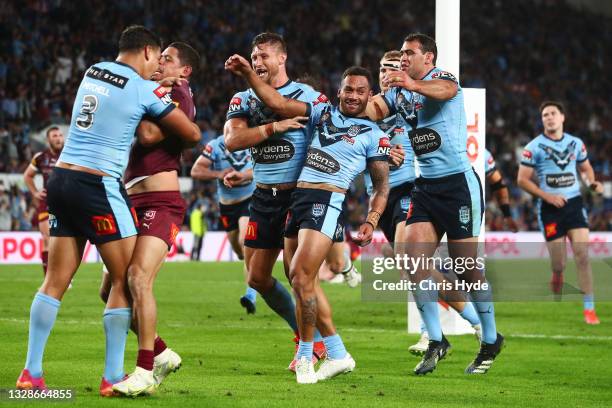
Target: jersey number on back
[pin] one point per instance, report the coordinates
(86, 115)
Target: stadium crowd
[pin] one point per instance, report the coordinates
(46, 45)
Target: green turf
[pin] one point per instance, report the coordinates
(230, 359)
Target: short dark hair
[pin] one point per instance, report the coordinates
(428, 44)
(557, 104)
(136, 37)
(358, 71)
(270, 38)
(51, 129)
(187, 54)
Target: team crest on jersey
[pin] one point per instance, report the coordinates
(464, 214)
(561, 159)
(330, 134)
(260, 113)
(318, 209)
(238, 160)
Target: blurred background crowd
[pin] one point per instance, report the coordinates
(522, 52)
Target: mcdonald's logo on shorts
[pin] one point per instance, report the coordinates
(251, 232)
(104, 224)
(174, 230)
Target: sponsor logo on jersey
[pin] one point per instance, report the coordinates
(319, 160)
(560, 180)
(107, 76)
(251, 232)
(208, 151)
(104, 224)
(464, 214)
(235, 104)
(527, 154)
(424, 140)
(318, 209)
(273, 151)
(321, 99)
(444, 75)
(384, 146)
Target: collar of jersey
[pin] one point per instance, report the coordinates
(284, 85)
(554, 140)
(429, 72)
(125, 65)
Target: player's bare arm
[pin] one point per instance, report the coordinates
(287, 108)
(500, 190)
(236, 178)
(438, 89)
(239, 136)
(524, 181)
(28, 178)
(178, 124)
(201, 170)
(379, 171)
(588, 176)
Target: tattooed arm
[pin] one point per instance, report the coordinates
(379, 172)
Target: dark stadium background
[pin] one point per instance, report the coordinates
(522, 52)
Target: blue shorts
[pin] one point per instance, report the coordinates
(453, 204)
(556, 222)
(89, 206)
(396, 210)
(319, 210)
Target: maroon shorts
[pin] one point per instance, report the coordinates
(42, 213)
(160, 214)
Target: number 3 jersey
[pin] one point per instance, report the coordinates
(438, 132)
(110, 102)
(341, 146)
(555, 163)
(279, 159)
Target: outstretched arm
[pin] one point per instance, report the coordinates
(239, 136)
(280, 105)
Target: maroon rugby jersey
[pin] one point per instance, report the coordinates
(166, 155)
(44, 162)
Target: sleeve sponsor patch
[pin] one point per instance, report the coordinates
(321, 99)
(527, 154)
(162, 94)
(207, 152)
(235, 104)
(384, 146)
(444, 75)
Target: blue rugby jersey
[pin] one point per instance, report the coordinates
(555, 162)
(341, 146)
(438, 128)
(280, 158)
(222, 159)
(396, 129)
(110, 102)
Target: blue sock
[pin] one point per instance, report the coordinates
(42, 318)
(423, 328)
(469, 314)
(483, 302)
(317, 336)
(589, 302)
(116, 326)
(251, 294)
(305, 350)
(335, 347)
(427, 303)
(279, 300)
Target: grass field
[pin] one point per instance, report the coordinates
(231, 359)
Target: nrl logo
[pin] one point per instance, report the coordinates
(464, 214)
(318, 210)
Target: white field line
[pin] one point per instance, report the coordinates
(248, 326)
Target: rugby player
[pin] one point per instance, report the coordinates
(343, 143)
(86, 198)
(43, 163)
(559, 160)
(499, 189)
(401, 183)
(447, 197)
(278, 149)
(234, 174)
(151, 179)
